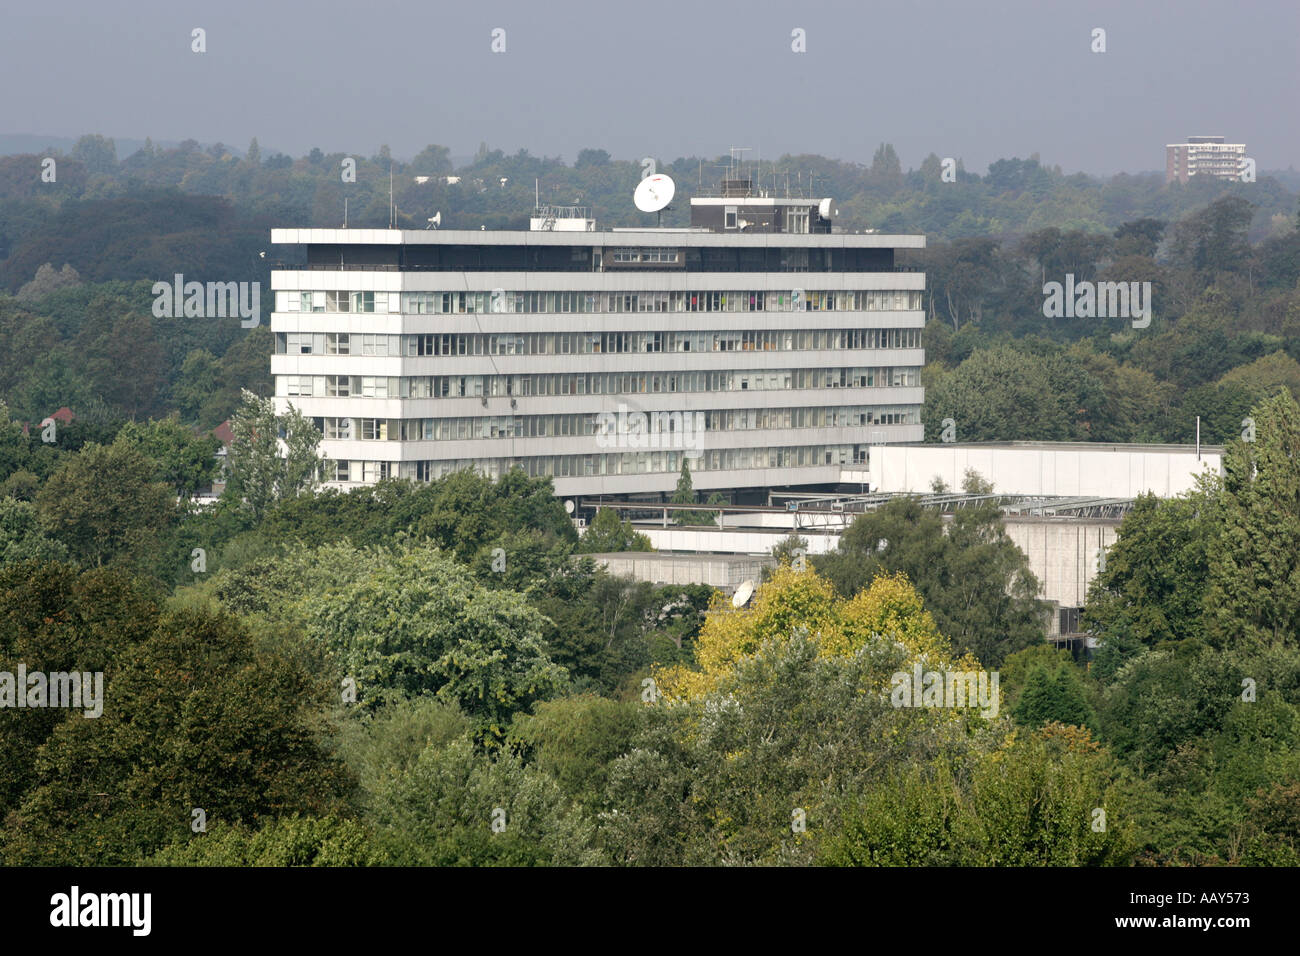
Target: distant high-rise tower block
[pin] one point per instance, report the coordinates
(1203, 156)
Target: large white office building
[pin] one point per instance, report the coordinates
(760, 345)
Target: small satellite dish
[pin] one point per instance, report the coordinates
(435, 220)
(654, 193)
(826, 208)
(743, 594)
(568, 506)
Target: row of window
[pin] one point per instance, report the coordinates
(606, 383)
(502, 300)
(591, 424)
(624, 463)
(647, 254)
(590, 343)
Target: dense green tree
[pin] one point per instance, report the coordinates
(1139, 237)
(598, 626)
(466, 510)
(608, 532)
(258, 475)
(196, 384)
(1017, 668)
(405, 622)
(1054, 696)
(1033, 802)
(453, 807)
(1003, 394)
(104, 504)
(194, 717)
(974, 579)
(378, 745)
(717, 781)
(21, 537)
(54, 618)
(1254, 582)
(184, 461)
(574, 741)
(1165, 698)
(98, 153)
(1214, 239)
(684, 494)
(431, 161)
(1153, 584)
(283, 841)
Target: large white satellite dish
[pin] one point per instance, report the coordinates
(826, 208)
(743, 594)
(654, 193)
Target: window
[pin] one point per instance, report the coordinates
(297, 343)
(423, 303)
(338, 428)
(649, 254)
(374, 386)
(729, 217)
(373, 344)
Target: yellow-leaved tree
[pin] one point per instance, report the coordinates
(889, 609)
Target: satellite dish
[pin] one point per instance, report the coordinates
(654, 193)
(568, 506)
(743, 594)
(826, 208)
(435, 220)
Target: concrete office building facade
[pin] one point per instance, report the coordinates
(767, 356)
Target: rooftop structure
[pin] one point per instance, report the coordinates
(1047, 469)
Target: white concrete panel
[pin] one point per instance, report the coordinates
(1050, 469)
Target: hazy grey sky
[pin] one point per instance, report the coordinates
(974, 80)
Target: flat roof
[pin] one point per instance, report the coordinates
(1062, 446)
(630, 237)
